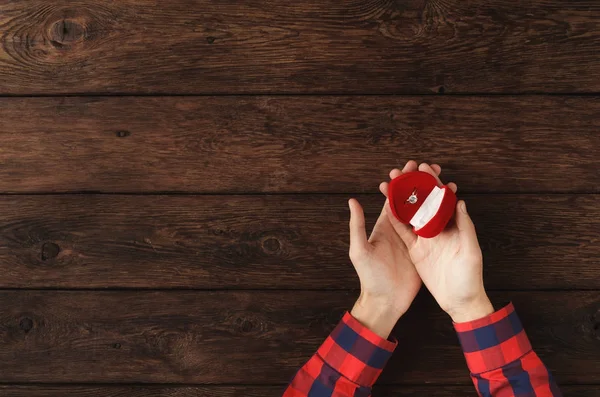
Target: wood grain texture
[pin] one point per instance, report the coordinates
(257, 337)
(247, 391)
(296, 144)
(379, 46)
(291, 242)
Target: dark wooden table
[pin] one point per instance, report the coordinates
(174, 177)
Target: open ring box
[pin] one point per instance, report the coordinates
(416, 199)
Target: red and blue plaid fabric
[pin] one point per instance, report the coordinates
(500, 357)
(497, 350)
(347, 364)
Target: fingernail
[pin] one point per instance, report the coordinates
(463, 207)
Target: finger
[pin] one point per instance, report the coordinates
(437, 169)
(465, 225)
(395, 173)
(404, 231)
(358, 234)
(427, 168)
(410, 166)
(452, 186)
(383, 188)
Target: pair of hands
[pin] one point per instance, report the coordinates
(393, 261)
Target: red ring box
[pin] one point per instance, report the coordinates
(417, 200)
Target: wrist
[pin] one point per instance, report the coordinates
(377, 314)
(475, 309)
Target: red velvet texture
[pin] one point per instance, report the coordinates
(421, 183)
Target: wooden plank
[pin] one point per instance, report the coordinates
(256, 337)
(291, 242)
(245, 391)
(142, 46)
(296, 144)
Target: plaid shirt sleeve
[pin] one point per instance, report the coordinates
(346, 365)
(500, 357)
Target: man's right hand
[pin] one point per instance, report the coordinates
(449, 264)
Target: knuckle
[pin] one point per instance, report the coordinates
(354, 254)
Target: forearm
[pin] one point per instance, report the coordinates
(500, 357)
(350, 360)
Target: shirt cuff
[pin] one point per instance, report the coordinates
(356, 352)
(493, 341)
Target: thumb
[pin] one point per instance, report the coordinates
(358, 234)
(465, 225)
